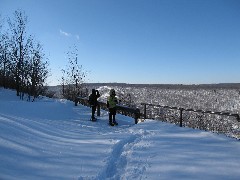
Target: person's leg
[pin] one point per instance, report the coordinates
(114, 114)
(93, 112)
(110, 116)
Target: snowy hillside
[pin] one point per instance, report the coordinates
(53, 139)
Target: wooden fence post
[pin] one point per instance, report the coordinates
(145, 111)
(136, 115)
(238, 118)
(181, 110)
(98, 110)
(76, 101)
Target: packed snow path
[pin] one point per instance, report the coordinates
(53, 139)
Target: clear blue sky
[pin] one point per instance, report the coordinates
(139, 41)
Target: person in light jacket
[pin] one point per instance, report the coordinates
(111, 104)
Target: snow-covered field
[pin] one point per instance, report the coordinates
(53, 139)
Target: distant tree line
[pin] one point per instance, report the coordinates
(23, 65)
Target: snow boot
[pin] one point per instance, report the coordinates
(93, 119)
(111, 123)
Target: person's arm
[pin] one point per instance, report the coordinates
(116, 100)
(98, 94)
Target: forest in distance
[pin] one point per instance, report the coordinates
(168, 86)
(165, 86)
(207, 96)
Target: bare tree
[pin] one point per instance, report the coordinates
(6, 78)
(37, 70)
(5, 69)
(22, 61)
(63, 81)
(19, 42)
(2, 55)
(73, 77)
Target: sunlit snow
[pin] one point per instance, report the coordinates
(53, 139)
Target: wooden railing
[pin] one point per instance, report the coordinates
(135, 112)
(128, 111)
(190, 110)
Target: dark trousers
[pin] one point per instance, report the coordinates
(112, 114)
(93, 111)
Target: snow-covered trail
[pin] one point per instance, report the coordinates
(53, 139)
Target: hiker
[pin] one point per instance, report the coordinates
(93, 102)
(111, 104)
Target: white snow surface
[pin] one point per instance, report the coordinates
(53, 139)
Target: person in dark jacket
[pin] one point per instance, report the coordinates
(93, 102)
